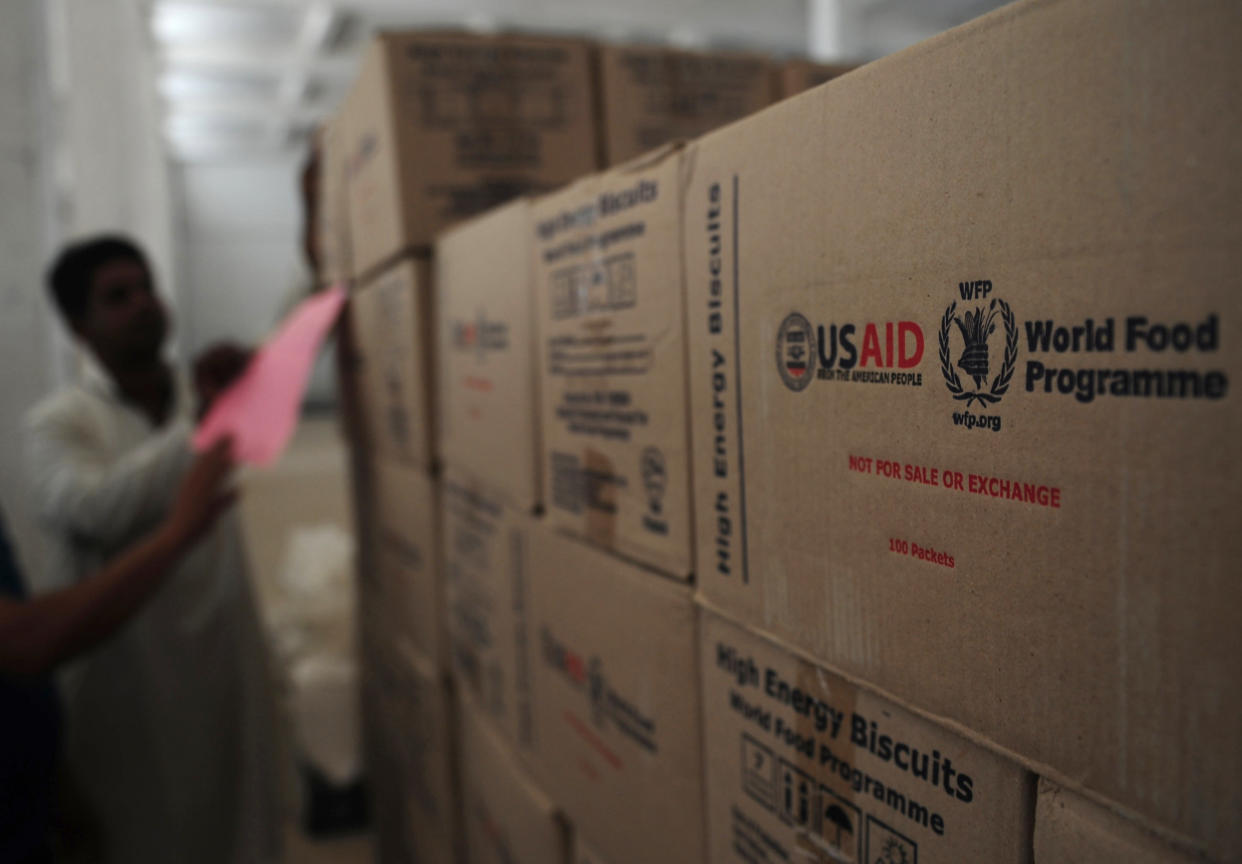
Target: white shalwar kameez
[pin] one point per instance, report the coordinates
(169, 735)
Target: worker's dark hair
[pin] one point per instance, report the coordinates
(69, 278)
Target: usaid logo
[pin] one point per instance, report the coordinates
(832, 352)
(795, 352)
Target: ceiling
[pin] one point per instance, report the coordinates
(241, 78)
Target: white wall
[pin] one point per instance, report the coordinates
(81, 151)
(112, 170)
(25, 334)
(239, 229)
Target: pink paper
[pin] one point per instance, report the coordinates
(260, 411)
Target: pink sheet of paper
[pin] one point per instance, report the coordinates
(260, 411)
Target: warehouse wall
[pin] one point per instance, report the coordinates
(112, 172)
(26, 360)
(240, 223)
(80, 152)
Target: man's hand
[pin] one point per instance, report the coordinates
(203, 495)
(215, 369)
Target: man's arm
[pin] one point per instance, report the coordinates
(38, 634)
(105, 503)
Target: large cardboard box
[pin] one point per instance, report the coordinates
(508, 819)
(651, 95)
(394, 344)
(1070, 829)
(584, 854)
(613, 363)
(446, 125)
(410, 717)
(960, 372)
(332, 214)
(489, 399)
(803, 765)
(795, 76)
(407, 558)
(487, 586)
(617, 722)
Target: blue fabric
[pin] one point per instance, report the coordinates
(30, 729)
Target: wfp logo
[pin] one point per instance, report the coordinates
(795, 352)
(976, 326)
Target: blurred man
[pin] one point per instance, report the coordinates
(37, 635)
(168, 726)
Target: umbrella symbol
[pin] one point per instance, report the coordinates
(841, 820)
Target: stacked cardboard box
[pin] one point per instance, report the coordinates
(611, 313)
(1071, 828)
(795, 76)
(489, 425)
(334, 260)
(438, 126)
(929, 404)
(960, 374)
(543, 627)
(410, 732)
(616, 702)
(651, 96)
(443, 125)
(508, 819)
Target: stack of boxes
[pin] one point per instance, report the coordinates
(962, 425)
(855, 483)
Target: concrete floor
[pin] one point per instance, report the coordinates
(308, 486)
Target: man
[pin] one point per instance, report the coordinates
(36, 635)
(168, 726)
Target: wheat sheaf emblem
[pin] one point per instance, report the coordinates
(976, 325)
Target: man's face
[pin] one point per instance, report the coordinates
(124, 318)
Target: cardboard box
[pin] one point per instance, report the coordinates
(1069, 829)
(407, 558)
(332, 216)
(801, 760)
(393, 331)
(412, 722)
(489, 399)
(446, 125)
(795, 76)
(486, 583)
(905, 460)
(584, 854)
(613, 363)
(650, 96)
(508, 819)
(617, 724)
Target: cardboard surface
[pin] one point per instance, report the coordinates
(650, 96)
(489, 401)
(1069, 829)
(486, 583)
(965, 509)
(407, 557)
(410, 722)
(507, 818)
(612, 367)
(795, 76)
(445, 125)
(394, 339)
(332, 226)
(802, 765)
(617, 722)
(584, 854)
